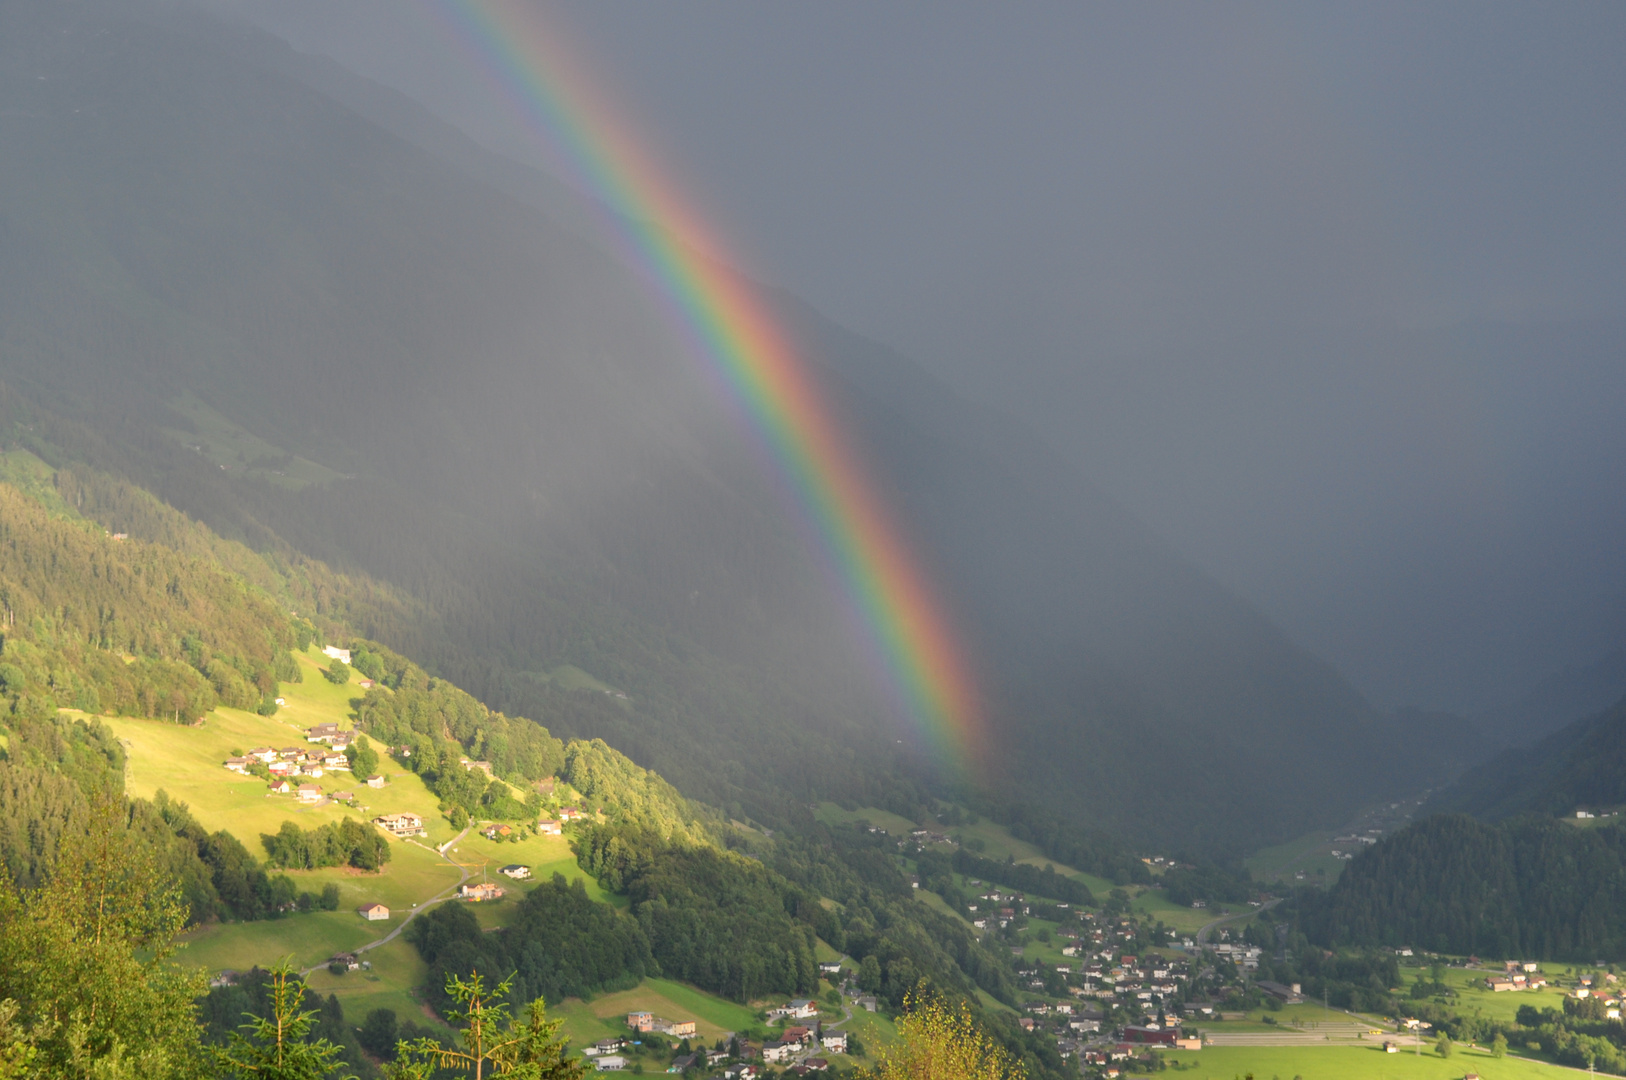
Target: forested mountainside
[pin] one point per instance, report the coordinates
(220, 283)
(1529, 887)
(737, 924)
(1578, 767)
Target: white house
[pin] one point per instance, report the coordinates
(610, 1063)
(310, 792)
(341, 655)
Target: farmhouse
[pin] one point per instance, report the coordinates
(310, 792)
(321, 733)
(485, 890)
(375, 781)
(550, 828)
(400, 824)
(281, 787)
(516, 871)
(374, 912)
(238, 764)
(336, 653)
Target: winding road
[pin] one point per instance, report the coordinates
(421, 906)
(1202, 935)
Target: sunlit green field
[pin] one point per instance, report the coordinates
(1352, 1063)
(1474, 998)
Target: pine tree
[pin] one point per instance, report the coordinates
(276, 1048)
(489, 1044)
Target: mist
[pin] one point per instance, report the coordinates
(1328, 298)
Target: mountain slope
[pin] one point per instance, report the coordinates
(1582, 765)
(224, 284)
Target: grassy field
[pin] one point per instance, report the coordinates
(1351, 1063)
(1474, 998)
(1310, 854)
(894, 824)
(238, 450)
(397, 968)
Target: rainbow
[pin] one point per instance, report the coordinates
(736, 332)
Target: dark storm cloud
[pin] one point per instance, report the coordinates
(1322, 293)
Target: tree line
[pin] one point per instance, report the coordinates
(1529, 887)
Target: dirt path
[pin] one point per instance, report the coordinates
(423, 905)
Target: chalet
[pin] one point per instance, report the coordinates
(336, 653)
(238, 764)
(799, 1009)
(366, 684)
(571, 813)
(495, 832)
(347, 960)
(485, 890)
(835, 1042)
(610, 1063)
(282, 768)
(310, 793)
(335, 760)
(375, 781)
(801, 1036)
(281, 787)
(264, 753)
(321, 733)
(344, 796)
(400, 824)
(830, 967)
(515, 871)
(374, 912)
(775, 1051)
(549, 828)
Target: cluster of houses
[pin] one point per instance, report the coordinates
(1517, 975)
(289, 762)
(995, 908)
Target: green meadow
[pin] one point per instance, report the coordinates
(1350, 1063)
(187, 763)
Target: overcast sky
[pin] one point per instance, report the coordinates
(1328, 294)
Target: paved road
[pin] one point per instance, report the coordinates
(1202, 935)
(424, 905)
